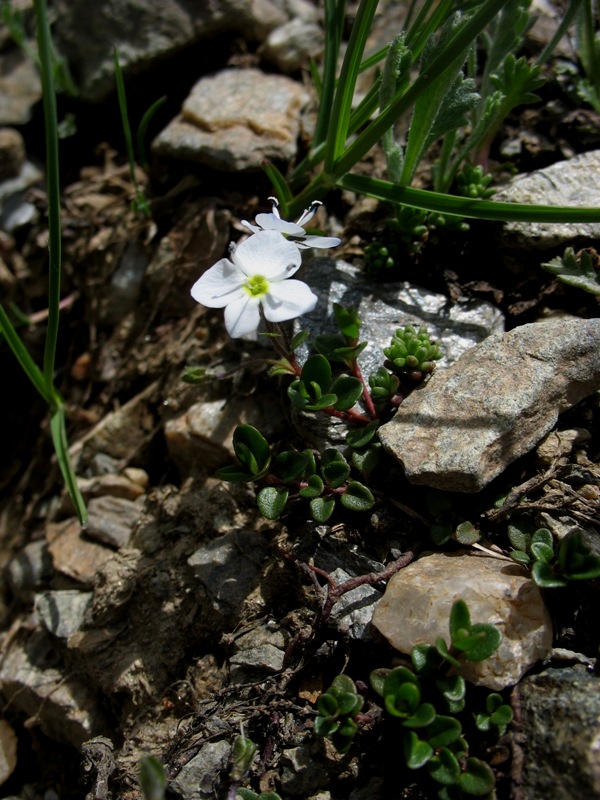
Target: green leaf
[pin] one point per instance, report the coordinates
(357, 497)
(466, 533)
(314, 488)
(327, 705)
(453, 688)
(334, 468)
(289, 465)
(483, 641)
(234, 474)
(271, 501)
(348, 322)
(377, 679)
(325, 726)
(442, 649)
(403, 701)
(242, 753)
(444, 767)
(425, 658)
(194, 375)
(520, 557)
(252, 449)
(367, 458)
(423, 716)
(153, 781)
(325, 401)
(545, 577)
(443, 731)
(440, 531)
(321, 508)
(58, 430)
(478, 779)
(348, 390)
(542, 552)
(298, 339)
(317, 369)
(416, 751)
(459, 619)
(360, 437)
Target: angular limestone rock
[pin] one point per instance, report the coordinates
(235, 119)
(416, 606)
(463, 428)
(566, 183)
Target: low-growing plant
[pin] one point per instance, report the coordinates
(581, 269)
(552, 566)
(428, 77)
(426, 701)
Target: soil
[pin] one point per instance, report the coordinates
(161, 669)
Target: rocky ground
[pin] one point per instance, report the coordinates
(180, 616)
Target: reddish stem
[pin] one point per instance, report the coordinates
(356, 371)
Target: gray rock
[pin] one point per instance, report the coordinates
(141, 32)
(258, 653)
(62, 612)
(416, 606)
(560, 711)
(301, 774)
(235, 119)
(353, 612)
(229, 568)
(20, 87)
(463, 428)
(66, 710)
(112, 520)
(566, 183)
(29, 568)
(292, 45)
(384, 307)
(200, 777)
(201, 438)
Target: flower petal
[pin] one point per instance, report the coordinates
(219, 285)
(269, 222)
(288, 300)
(318, 241)
(242, 316)
(252, 228)
(309, 212)
(269, 254)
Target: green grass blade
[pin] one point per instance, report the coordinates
(28, 365)
(465, 34)
(342, 104)
(465, 207)
(334, 25)
(53, 180)
(59, 438)
(143, 127)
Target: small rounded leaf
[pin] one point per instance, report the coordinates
(271, 501)
(478, 778)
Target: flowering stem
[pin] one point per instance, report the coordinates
(282, 344)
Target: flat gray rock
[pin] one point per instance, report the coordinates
(469, 422)
(560, 723)
(566, 183)
(142, 33)
(235, 119)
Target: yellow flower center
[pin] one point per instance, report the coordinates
(256, 286)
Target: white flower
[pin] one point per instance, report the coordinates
(256, 275)
(292, 230)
